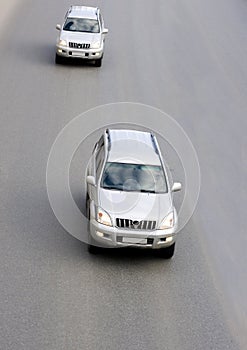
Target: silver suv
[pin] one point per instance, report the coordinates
(82, 35)
(129, 198)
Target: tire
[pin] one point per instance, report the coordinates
(167, 253)
(91, 245)
(92, 249)
(58, 59)
(98, 63)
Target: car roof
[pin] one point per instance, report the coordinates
(131, 146)
(83, 11)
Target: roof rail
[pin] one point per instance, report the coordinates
(68, 12)
(154, 143)
(108, 138)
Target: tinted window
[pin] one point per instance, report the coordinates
(99, 161)
(134, 177)
(81, 25)
(101, 21)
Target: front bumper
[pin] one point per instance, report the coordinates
(88, 54)
(106, 236)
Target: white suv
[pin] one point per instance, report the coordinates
(129, 198)
(82, 35)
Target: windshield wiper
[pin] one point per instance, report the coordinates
(112, 188)
(147, 191)
(126, 190)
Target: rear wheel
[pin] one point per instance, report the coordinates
(98, 63)
(167, 253)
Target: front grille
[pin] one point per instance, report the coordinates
(135, 224)
(79, 46)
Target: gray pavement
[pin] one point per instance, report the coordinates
(186, 58)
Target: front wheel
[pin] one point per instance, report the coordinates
(58, 59)
(92, 246)
(98, 63)
(167, 253)
(92, 249)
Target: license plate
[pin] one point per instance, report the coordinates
(78, 54)
(134, 240)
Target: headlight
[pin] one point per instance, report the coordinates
(168, 221)
(96, 45)
(102, 217)
(62, 43)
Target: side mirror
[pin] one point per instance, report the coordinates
(105, 31)
(91, 180)
(176, 187)
(58, 27)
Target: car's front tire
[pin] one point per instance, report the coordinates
(92, 249)
(91, 244)
(58, 59)
(98, 63)
(167, 253)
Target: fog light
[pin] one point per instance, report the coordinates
(99, 234)
(60, 51)
(169, 239)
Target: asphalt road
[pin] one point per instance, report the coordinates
(187, 58)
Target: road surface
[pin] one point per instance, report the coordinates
(187, 58)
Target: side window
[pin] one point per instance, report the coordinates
(98, 145)
(67, 13)
(100, 155)
(101, 142)
(101, 21)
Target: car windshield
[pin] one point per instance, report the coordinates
(81, 25)
(134, 177)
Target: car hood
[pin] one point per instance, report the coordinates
(135, 205)
(81, 38)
